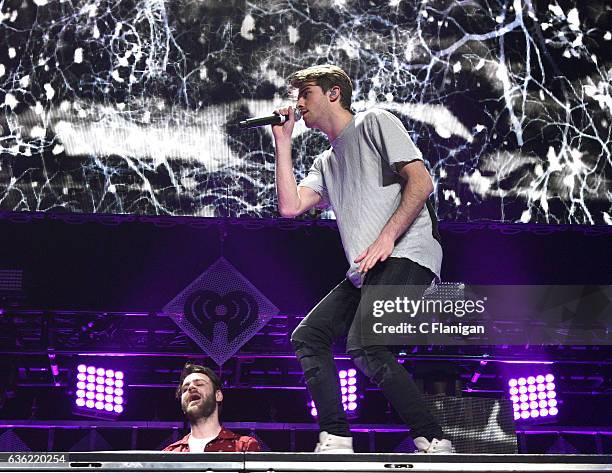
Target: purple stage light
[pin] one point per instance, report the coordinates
(533, 396)
(103, 393)
(313, 409)
(348, 390)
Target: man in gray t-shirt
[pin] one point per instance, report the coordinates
(358, 177)
(374, 179)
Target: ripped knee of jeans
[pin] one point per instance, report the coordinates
(311, 373)
(308, 360)
(302, 349)
(371, 366)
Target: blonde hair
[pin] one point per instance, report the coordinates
(325, 76)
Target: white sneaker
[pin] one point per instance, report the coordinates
(329, 443)
(435, 446)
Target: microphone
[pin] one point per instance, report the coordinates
(269, 120)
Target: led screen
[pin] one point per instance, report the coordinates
(130, 107)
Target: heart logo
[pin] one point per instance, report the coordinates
(220, 310)
(236, 311)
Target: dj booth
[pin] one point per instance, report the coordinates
(298, 462)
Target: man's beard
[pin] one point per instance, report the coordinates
(202, 411)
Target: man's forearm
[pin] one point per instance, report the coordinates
(286, 186)
(414, 196)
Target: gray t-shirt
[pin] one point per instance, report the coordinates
(358, 179)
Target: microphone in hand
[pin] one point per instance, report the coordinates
(275, 119)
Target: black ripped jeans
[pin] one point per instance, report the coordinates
(338, 315)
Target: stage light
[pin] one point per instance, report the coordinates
(537, 397)
(102, 395)
(348, 392)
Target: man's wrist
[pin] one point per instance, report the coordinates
(282, 142)
(387, 235)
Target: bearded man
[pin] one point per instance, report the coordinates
(199, 392)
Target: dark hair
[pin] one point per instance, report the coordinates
(191, 368)
(325, 76)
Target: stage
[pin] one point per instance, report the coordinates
(305, 462)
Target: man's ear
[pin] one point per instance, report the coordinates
(334, 93)
(219, 396)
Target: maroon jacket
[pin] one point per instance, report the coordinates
(226, 441)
